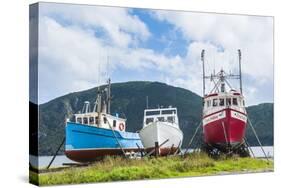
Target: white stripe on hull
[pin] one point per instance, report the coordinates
(160, 132)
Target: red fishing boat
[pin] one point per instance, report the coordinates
(224, 114)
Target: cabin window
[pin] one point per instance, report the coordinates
(168, 112)
(160, 118)
(91, 120)
(114, 123)
(215, 102)
(79, 120)
(171, 119)
(148, 120)
(234, 101)
(151, 113)
(208, 103)
(97, 120)
(228, 101)
(221, 102)
(104, 120)
(243, 102)
(85, 120)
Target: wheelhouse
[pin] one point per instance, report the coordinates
(160, 115)
(103, 121)
(217, 101)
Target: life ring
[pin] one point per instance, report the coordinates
(121, 126)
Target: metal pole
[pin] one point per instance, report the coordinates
(178, 148)
(108, 96)
(203, 65)
(171, 149)
(157, 149)
(190, 142)
(116, 138)
(240, 72)
(140, 150)
(254, 131)
(249, 147)
(224, 132)
(56, 153)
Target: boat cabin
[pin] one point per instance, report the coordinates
(99, 119)
(100, 115)
(160, 114)
(103, 121)
(218, 101)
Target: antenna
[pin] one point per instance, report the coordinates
(107, 66)
(146, 102)
(240, 75)
(203, 64)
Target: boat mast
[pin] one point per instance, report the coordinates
(203, 64)
(240, 75)
(108, 96)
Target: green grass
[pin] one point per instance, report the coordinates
(118, 169)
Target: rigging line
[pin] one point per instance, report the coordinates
(216, 86)
(228, 83)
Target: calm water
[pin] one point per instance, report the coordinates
(60, 159)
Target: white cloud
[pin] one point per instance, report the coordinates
(214, 32)
(116, 22)
(252, 34)
(71, 58)
(71, 54)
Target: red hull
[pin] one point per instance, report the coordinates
(226, 127)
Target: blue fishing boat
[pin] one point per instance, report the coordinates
(96, 133)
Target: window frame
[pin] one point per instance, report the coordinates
(215, 102)
(79, 120)
(87, 120)
(221, 99)
(147, 122)
(114, 123)
(235, 99)
(228, 100)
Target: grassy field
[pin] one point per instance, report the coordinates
(118, 169)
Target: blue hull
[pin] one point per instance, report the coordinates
(86, 143)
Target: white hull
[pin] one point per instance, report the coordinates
(160, 132)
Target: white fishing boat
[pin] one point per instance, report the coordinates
(161, 132)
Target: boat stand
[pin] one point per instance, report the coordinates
(192, 138)
(56, 153)
(256, 135)
(154, 150)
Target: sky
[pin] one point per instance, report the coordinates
(80, 46)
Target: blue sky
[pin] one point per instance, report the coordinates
(75, 42)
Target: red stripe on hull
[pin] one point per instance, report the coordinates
(92, 155)
(234, 130)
